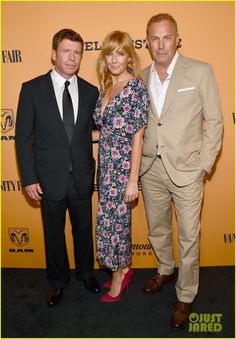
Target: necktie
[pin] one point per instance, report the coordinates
(68, 112)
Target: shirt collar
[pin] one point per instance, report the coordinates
(171, 66)
(60, 80)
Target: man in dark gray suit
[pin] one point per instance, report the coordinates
(54, 149)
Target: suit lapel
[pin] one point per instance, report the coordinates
(82, 96)
(176, 79)
(146, 77)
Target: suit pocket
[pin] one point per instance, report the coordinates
(193, 147)
(183, 92)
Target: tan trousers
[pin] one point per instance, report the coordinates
(159, 192)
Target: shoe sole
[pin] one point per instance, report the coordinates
(54, 304)
(177, 329)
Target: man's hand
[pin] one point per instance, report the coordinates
(34, 191)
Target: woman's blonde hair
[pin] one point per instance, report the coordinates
(112, 41)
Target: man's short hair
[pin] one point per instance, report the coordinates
(161, 17)
(66, 34)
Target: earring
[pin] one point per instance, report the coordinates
(129, 67)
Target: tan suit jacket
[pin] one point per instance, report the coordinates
(189, 130)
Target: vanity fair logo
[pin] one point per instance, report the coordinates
(7, 123)
(229, 238)
(19, 237)
(11, 56)
(11, 185)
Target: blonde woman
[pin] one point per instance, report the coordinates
(121, 116)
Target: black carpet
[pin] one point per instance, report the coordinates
(81, 315)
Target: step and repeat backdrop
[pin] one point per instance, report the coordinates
(207, 33)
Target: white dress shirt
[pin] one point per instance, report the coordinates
(159, 89)
(59, 85)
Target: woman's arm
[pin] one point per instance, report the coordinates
(131, 192)
(95, 135)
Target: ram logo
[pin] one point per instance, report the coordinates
(7, 120)
(19, 236)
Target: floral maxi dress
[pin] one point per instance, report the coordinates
(124, 115)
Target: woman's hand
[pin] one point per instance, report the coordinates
(131, 192)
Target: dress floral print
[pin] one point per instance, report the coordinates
(124, 115)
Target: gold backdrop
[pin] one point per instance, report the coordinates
(207, 32)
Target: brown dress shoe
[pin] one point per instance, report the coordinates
(180, 317)
(156, 282)
(54, 296)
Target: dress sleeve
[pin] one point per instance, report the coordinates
(97, 119)
(141, 105)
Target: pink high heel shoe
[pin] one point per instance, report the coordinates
(129, 274)
(109, 299)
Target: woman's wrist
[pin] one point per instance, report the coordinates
(133, 180)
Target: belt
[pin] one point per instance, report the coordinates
(159, 156)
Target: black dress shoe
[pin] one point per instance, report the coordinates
(54, 296)
(91, 284)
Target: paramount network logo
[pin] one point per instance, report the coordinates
(142, 249)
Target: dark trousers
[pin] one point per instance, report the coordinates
(54, 216)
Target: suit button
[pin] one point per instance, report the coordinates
(159, 124)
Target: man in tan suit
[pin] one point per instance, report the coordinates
(181, 143)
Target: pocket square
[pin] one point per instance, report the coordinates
(185, 89)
